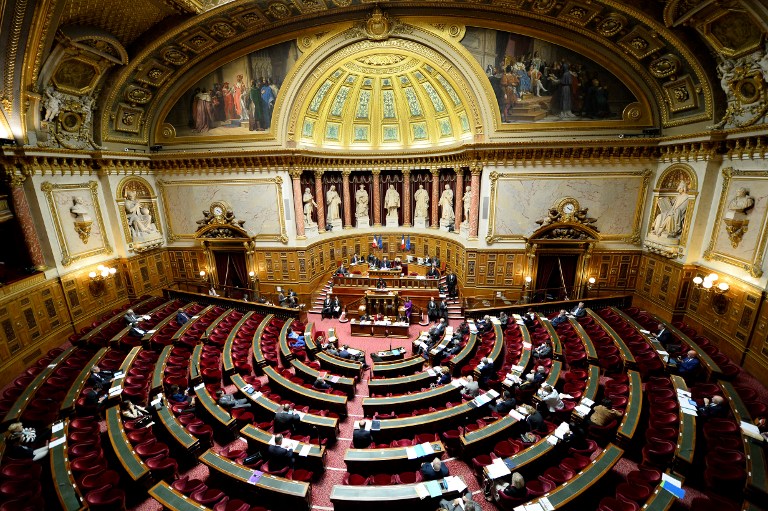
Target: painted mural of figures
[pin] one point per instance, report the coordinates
(267, 103)
(509, 83)
(254, 122)
(229, 102)
(202, 112)
(524, 80)
(333, 202)
(670, 219)
(422, 203)
(217, 101)
(498, 90)
(561, 102)
(535, 75)
(240, 98)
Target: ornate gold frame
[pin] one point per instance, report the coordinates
(120, 199)
(692, 185)
(67, 257)
(282, 236)
(633, 237)
(755, 266)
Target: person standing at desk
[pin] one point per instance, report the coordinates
(444, 310)
(381, 284)
(408, 306)
(451, 281)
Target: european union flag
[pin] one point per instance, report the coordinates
(381, 243)
(408, 243)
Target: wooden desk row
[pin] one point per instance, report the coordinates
(259, 440)
(68, 404)
(686, 440)
(457, 362)
(258, 355)
(400, 384)
(390, 460)
(384, 498)
(70, 497)
(626, 355)
(589, 346)
(310, 374)
(634, 410)
(132, 464)
(227, 363)
(710, 366)
(557, 347)
(116, 318)
(314, 398)
(397, 368)
(436, 396)
(14, 413)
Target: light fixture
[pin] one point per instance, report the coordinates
(252, 276)
(723, 287)
(697, 280)
(708, 283)
(527, 281)
(202, 274)
(97, 278)
(713, 277)
(590, 283)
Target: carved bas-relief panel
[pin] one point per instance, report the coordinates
(672, 210)
(137, 204)
(739, 232)
(77, 219)
(614, 199)
(254, 202)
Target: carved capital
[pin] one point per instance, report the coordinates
(406, 172)
(345, 173)
(295, 173)
(476, 168)
(376, 172)
(319, 173)
(434, 171)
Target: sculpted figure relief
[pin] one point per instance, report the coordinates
(742, 202)
(138, 216)
(361, 202)
(52, 103)
(467, 202)
(392, 201)
(309, 204)
(446, 202)
(422, 203)
(79, 210)
(671, 216)
(333, 202)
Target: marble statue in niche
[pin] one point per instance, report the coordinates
(392, 204)
(467, 202)
(735, 218)
(422, 207)
(333, 202)
(82, 219)
(670, 219)
(51, 103)
(447, 215)
(361, 207)
(309, 205)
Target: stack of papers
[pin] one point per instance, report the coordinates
(114, 391)
(431, 372)
(455, 483)
(561, 430)
(459, 382)
(583, 410)
(751, 431)
(497, 469)
(419, 451)
(672, 485)
(305, 450)
(516, 415)
(58, 441)
(57, 427)
(527, 345)
(687, 405)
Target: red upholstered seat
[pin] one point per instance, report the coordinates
(106, 498)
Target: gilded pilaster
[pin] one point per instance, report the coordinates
(346, 198)
(406, 197)
(434, 223)
(297, 202)
(376, 197)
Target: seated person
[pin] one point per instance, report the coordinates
(15, 450)
(664, 336)
(25, 434)
(550, 397)
(471, 388)
(285, 419)
(296, 340)
(487, 370)
(443, 375)
(433, 470)
(535, 377)
(131, 318)
(381, 284)
(356, 259)
(464, 503)
(560, 319)
(385, 264)
(543, 350)
(361, 437)
(579, 311)
(516, 487)
(504, 403)
(278, 456)
(336, 308)
(535, 420)
(321, 384)
(603, 414)
(484, 325)
(327, 310)
(212, 292)
(96, 397)
(176, 395)
(529, 318)
(132, 411)
(503, 319)
(433, 273)
(100, 377)
(689, 365)
(282, 300)
(712, 407)
(437, 332)
(341, 271)
(182, 317)
(230, 401)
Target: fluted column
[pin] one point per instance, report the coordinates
(346, 198)
(474, 208)
(24, 215)
(320, 200)
(406, 198)
(459, 196)
(298, 210)
(434, 222)
(376, 198)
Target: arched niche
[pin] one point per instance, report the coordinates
(139, 214)
(674, 198)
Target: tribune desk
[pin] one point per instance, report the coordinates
(379, 329)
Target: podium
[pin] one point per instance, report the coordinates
(381, 301)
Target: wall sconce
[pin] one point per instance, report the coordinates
(252, 276)
(97, 284)
(718, 299)
(590, 283)
(527, 281)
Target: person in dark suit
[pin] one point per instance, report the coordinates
(278, 456)
(579, 311)
(535, 420)
(99, 377)
(438, 331)
(371, 259)
(436, 262)
(433, 273)
(361, 437)
(327, 305)
(432, 311)
(560, 319)
(713, 407)
(664, 336)
(433, 470)
(285, 419)
(321, 384)
(529, 318)
(181, 317)
(504, 404)
(487, 371)
(356, 259)
(336, 307)
(543, 350)
(452, 282)
(443, 376)
(342, 271)
(381, 284)
(689, 365)
(444, 310)
(385, 264)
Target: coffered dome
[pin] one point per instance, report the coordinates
(385, 100)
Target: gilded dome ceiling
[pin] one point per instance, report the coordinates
(384, 100)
